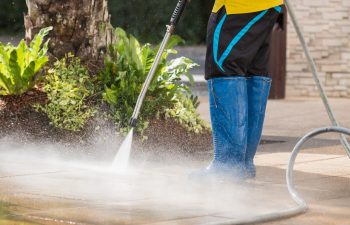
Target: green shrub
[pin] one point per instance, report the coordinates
(18, 65)
(185, 113)
(127, 66)
(69, 89)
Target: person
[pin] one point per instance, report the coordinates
(238, 42)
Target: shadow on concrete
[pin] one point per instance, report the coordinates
(273, 144)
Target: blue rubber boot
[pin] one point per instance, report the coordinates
(229, 113)
(258, 88)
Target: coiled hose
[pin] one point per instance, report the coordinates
(302, 206)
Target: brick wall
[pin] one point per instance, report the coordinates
(326, 26)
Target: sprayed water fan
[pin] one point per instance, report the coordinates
(121, 160)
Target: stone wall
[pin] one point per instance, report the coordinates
(326, 25)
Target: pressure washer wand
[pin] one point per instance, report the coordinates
(180, 7)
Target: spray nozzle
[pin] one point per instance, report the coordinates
(133, 122)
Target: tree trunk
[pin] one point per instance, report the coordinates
(81, 27)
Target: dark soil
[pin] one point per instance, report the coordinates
(23, 124)
(19, 119)
(171, 137)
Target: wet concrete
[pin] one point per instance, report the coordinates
(151, 194)
(77, 193)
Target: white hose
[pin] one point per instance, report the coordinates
(301, 204)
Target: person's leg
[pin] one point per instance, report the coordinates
(228, 109)
(258, 88)
(233, 43)
(259, 85)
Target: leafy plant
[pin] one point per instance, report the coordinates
(18, 65)
(185, 113)
(126, 68)
(69, 88)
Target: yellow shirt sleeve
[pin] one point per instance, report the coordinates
(245, 6)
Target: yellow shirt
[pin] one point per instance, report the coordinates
(245, 6)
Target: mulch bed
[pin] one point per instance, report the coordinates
(19, 119)
(22, 123)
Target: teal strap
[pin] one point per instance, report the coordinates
(217, 39)
(278, 9)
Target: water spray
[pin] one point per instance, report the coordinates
(122, 158)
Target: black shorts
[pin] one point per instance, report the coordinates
(238, 44)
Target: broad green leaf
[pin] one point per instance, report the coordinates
(136, 53)
(29, 72)
(40, 63)
(21, 57)
(5, 58)
(37, 41)
(44, 49)
(15, 70)
(5, 83)
(174, 41)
